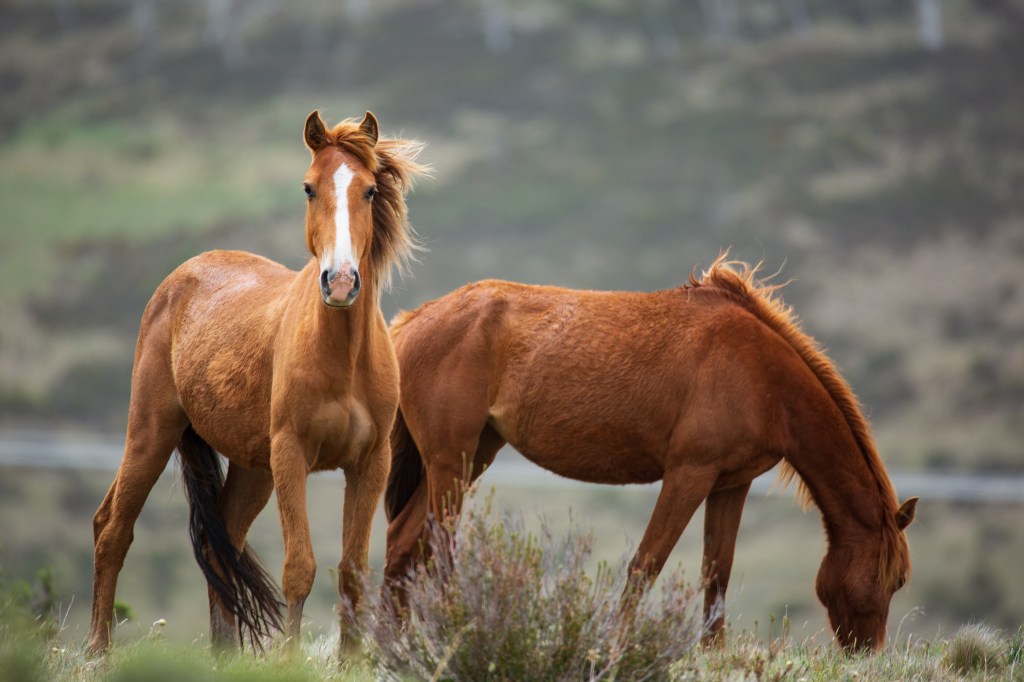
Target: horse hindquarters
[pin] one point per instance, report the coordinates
(155, 423)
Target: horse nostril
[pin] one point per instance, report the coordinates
(325, 282)
(355, 280)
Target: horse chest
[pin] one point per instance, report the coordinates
(345, 432)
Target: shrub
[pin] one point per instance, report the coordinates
(498, 603)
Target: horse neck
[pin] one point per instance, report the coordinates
(335, 336)
(853, 500)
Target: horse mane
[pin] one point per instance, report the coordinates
(394, 167)
(739, 282)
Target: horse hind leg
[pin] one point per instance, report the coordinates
(245, 493)
(154, 427)
(722, 512)
(487, 450)
(451, 470)
(408, 533)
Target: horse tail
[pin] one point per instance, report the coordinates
(237, 578)
(406, 469)
(739, 281)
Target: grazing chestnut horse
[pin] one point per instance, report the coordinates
(283, 372)
(705, 387)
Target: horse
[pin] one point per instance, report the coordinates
(704, 387)
(285, 373)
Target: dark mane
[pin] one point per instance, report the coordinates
(739, 282)
(393, 164)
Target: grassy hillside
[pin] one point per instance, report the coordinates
(589, 145)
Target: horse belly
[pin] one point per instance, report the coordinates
(591, 452)
(585, 430)
(236, 435)
(227, 400)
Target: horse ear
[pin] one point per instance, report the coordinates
(905, 514)
(315, 132)
(370, 127)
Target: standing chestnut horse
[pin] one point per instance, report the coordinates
(283, 372)
(705, 387)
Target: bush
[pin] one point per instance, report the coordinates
(498, 603)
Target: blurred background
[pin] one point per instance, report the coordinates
(871, 149)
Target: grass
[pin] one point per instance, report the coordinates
(508, 604)
(515, 602)
(964, 556)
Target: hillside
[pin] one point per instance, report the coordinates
(586, 145)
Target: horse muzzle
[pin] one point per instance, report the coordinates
(341, 287)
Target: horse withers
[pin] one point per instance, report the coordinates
(284, 373)
(703, 387)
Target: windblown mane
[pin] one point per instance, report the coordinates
(394, 167)
(739, 281)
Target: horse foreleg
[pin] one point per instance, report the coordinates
(289, 468)
(363, 489)
(682, 491)
(722, 513)
(245, 494)
(148, 446)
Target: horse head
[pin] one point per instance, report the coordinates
(340, 186)
(856, 581)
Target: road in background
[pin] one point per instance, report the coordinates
(87, 451)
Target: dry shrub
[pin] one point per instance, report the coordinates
(499, 603)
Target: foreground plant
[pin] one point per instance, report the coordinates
(497, 602)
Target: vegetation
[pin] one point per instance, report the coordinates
(497, 603)
(506, 604)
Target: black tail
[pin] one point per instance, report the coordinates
(406, 469)
(242, 584)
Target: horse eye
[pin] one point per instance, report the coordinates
(370, 193)
(309, 190)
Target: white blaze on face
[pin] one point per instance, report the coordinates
(343, 250)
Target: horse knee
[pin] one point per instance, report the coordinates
(297, 578)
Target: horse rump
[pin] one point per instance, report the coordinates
(237, 578)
